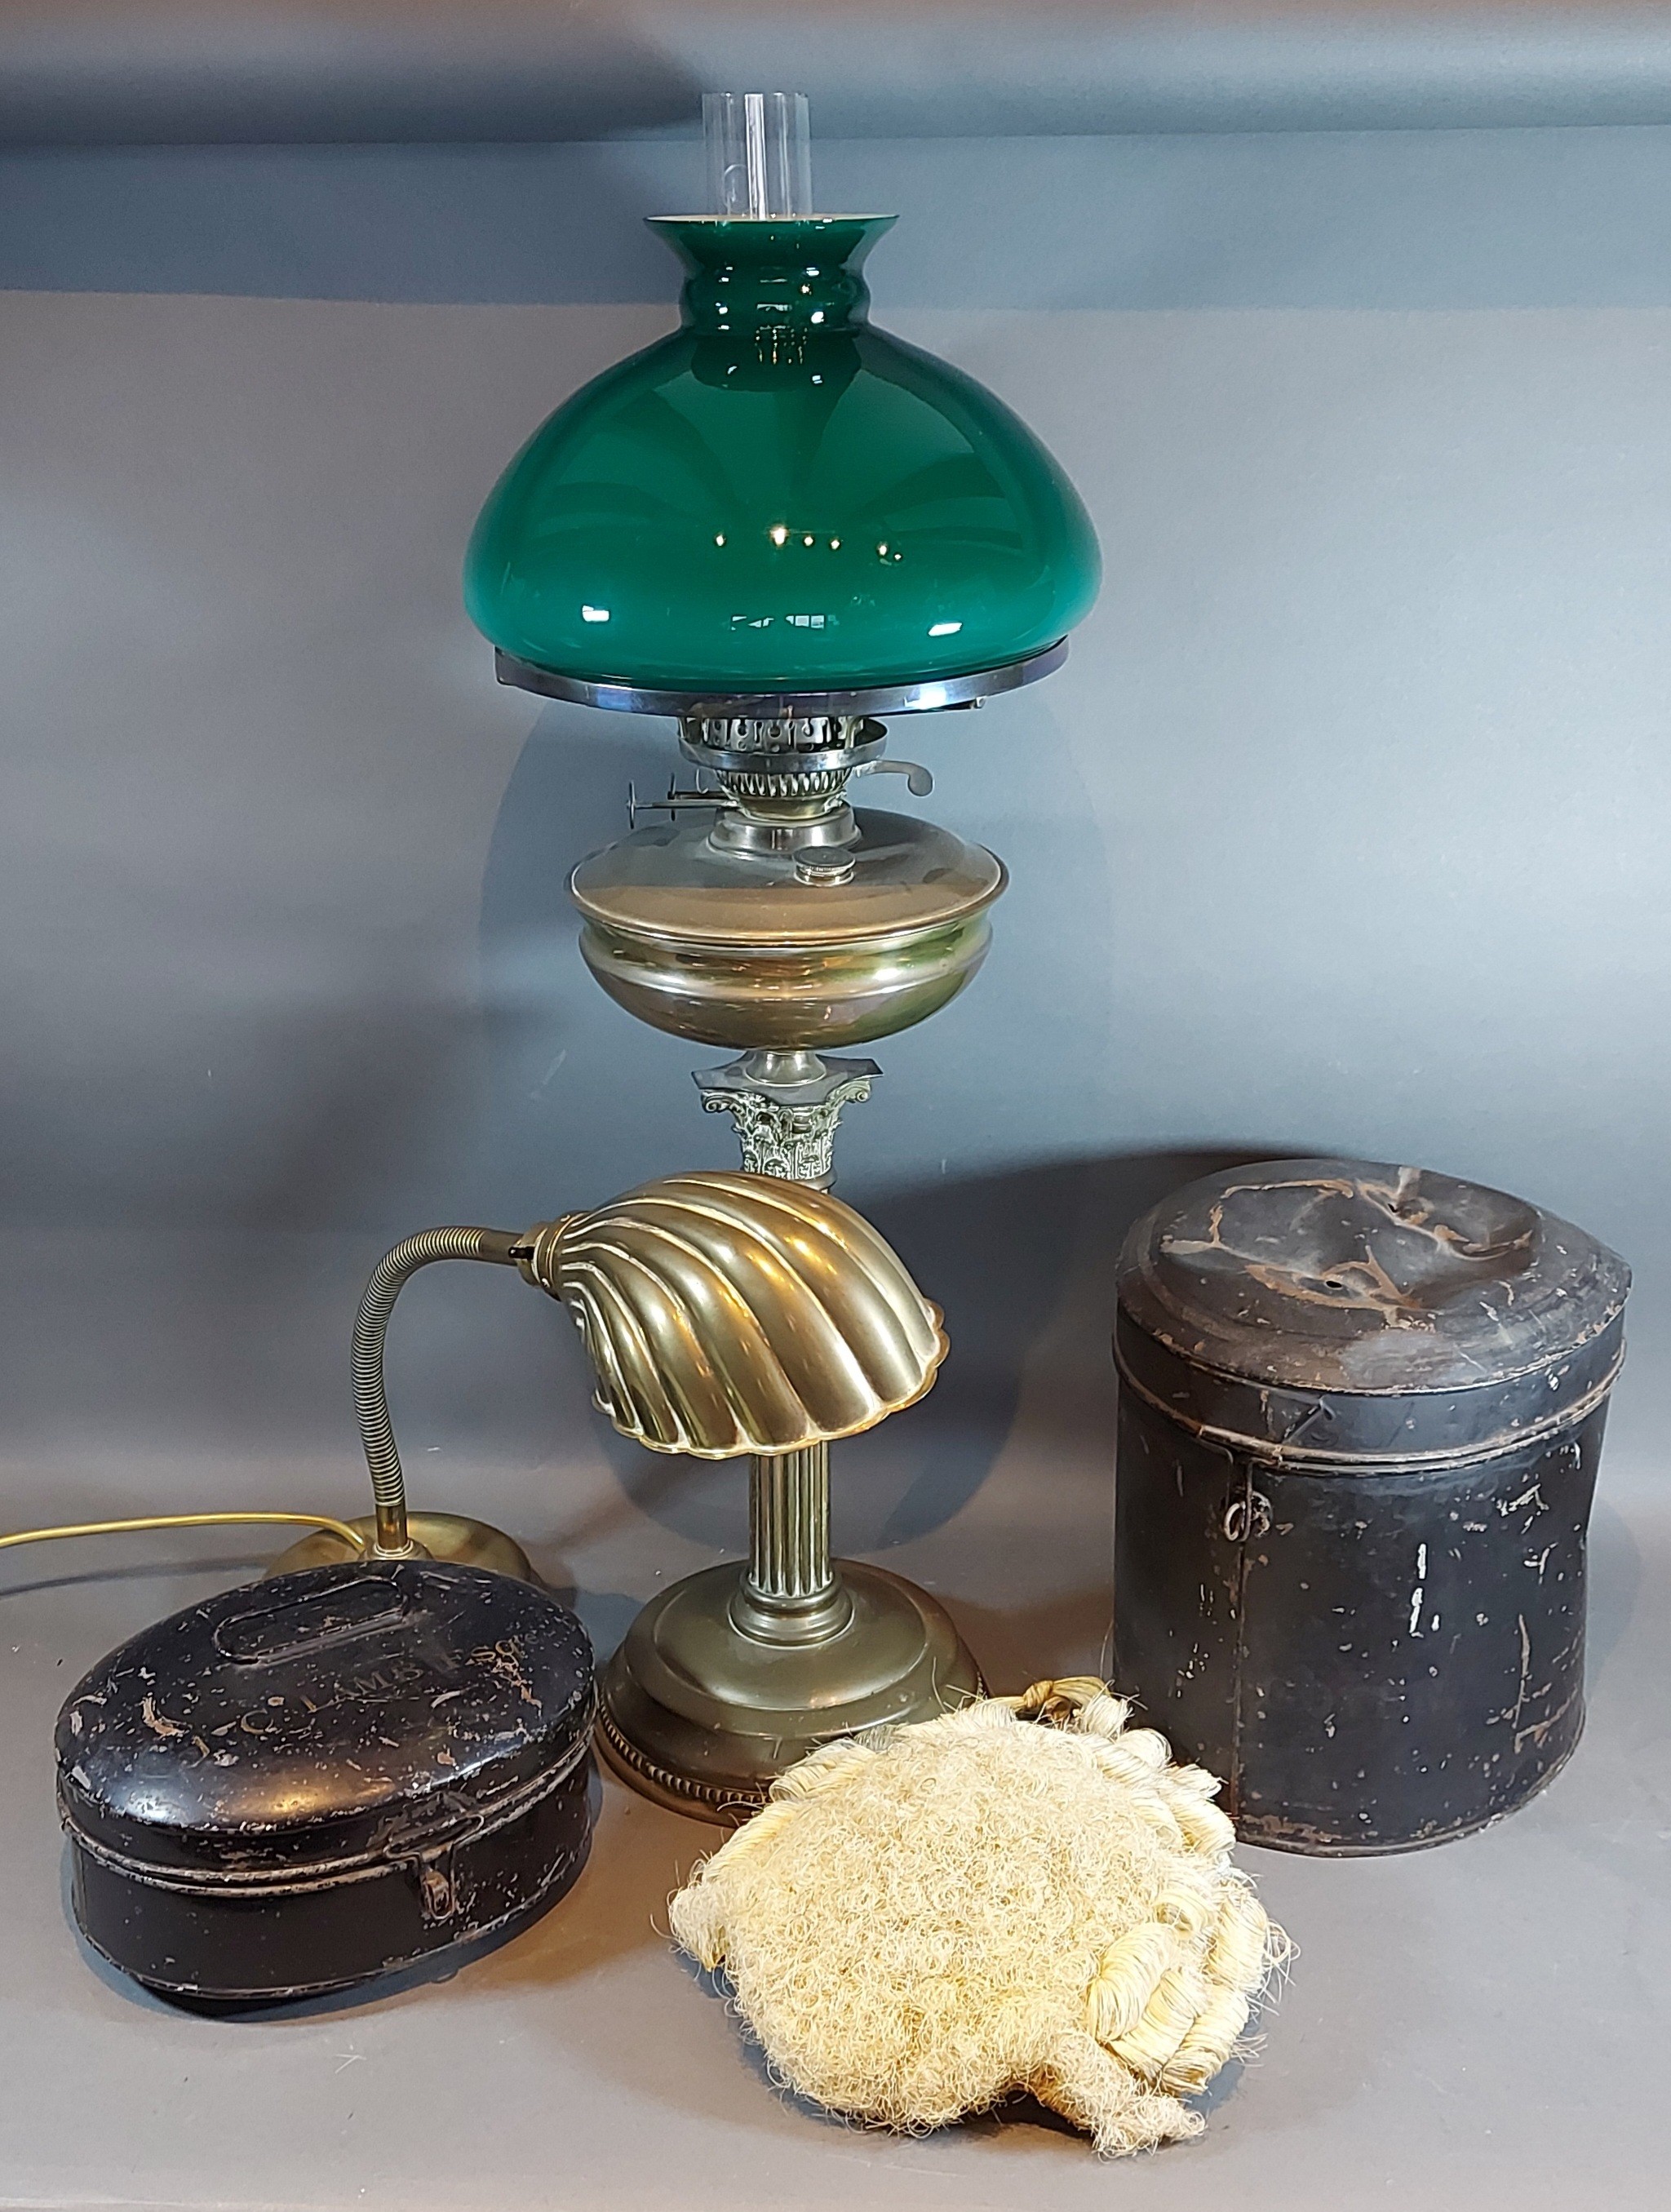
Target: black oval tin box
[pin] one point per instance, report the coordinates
(304, 1782)
(1360, 1414)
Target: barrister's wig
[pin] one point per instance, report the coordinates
(1024, 1895)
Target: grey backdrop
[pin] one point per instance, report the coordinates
(1343, 828)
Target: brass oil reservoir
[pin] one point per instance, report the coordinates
(781, 948)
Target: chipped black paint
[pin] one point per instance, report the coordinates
(1361, 1412)
(297, 1785)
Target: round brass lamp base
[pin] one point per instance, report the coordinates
(450, 1536)
(701, 1715)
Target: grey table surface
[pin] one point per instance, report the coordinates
(1483, 2023)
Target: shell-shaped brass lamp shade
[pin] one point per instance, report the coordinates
(726, 1314)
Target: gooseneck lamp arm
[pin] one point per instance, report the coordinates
(722, 1316)
(388, 1486)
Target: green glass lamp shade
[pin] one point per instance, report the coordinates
(779, 496)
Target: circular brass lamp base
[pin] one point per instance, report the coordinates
(450, 1536)
(702, 1715)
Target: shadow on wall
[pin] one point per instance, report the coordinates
(562, 1057)
(585, 1102)
(1023, 1264)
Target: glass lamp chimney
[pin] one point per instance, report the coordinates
(759, 154)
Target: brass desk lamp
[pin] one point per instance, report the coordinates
(724, 1316)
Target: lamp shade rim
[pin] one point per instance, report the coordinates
(743, 224)
(904, 696)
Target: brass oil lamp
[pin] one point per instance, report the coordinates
(778, 526)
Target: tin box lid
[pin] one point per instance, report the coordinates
(1261, 1298)
(668, 882)
(368, 1709)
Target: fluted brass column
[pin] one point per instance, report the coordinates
(790, 1592)
(789, 1525)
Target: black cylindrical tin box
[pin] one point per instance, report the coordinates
(1361, 1408)
(303, 1783)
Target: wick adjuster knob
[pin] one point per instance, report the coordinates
(821, 864)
